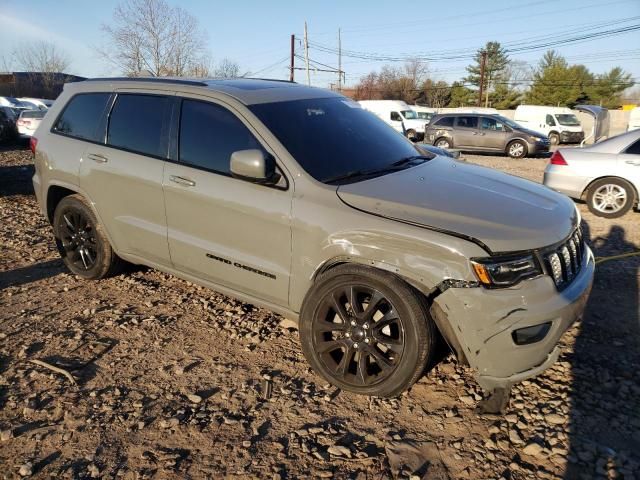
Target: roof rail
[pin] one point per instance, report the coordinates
(148, 79)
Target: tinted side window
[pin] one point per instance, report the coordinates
(445, 122)
(634, 148)
(550, 121)
(467, 122)
(209, 134)
(81, 116)
(395, 116)
(136, 124)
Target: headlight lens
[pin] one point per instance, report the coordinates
(493, 272)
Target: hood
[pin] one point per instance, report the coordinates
(533, 133)
(504, 212)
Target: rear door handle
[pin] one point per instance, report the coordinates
(182, 181)
(96, 157)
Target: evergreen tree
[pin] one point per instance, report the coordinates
(495, 67)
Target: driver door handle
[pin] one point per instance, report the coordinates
(635, 163)
(182, 181)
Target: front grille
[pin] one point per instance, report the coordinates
(565, 260)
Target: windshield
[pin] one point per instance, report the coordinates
(508, 122)
(425, 115)
(569, 120)
(330, 137)
(409, 114)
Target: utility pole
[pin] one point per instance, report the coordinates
(293, 56)
(339, 62)
(306, 53)
(483, 64)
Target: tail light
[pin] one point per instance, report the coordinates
(33, 143)
(557, 159)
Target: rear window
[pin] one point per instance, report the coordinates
(209, 134)
(33, 114)
(81, 116)
(445, 122)
(136, 124)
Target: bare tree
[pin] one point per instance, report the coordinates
(45, 64)
(227, 69)
(40, 56)
(152, 35)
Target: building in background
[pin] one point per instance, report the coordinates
(35, 84)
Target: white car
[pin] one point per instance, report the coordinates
(634, 119)
(29, 121)
(606, 175)
(37, 103)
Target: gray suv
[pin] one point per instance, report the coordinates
(485, 133)
(298, 200)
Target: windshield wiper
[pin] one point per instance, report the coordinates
(362, 174)
(406, 160)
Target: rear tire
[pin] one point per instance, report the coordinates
(81, 240)
(610, 197)
(378, 347)
(517, 149)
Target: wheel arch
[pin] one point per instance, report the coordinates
(57, 191)
(429, 294)
(585, 190)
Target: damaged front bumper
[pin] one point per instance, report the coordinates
(480, 324)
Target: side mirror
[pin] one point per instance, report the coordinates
(254, 166)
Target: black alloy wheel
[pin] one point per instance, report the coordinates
(78, 239)
(359, 335)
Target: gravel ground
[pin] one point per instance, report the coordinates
(176, 381)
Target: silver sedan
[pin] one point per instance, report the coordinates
(606, 175)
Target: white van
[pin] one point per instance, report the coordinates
(634, 119)
(397, 113)
(560, 124)
(424, 113)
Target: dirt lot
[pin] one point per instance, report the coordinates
(176, 381)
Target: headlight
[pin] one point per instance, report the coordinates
(492, 272)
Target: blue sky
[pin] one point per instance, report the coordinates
(256, 33)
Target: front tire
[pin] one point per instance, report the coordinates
(554, 138)
(366, 331)
(517, 149)
(81, 240)
(412, 135)
(610, 197)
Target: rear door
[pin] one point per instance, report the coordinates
(629, 164)
(466, 132)
(232, 232)
(123, 175)
(492, 134)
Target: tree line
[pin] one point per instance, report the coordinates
(506, 83)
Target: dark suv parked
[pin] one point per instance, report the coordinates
(484, 133)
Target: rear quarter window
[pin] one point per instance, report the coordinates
(82, 115)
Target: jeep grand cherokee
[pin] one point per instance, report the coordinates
(296, 199)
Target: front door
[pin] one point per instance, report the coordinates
(493, 135)
(231, 232)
